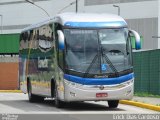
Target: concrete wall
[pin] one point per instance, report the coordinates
(146, 27)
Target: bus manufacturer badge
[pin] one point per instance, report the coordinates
(101, 87)
(104, 67)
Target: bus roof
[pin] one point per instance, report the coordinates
(83, 20)
(90, 20)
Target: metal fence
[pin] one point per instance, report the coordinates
(147, 71)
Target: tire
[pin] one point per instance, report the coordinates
(58, 103)
(32, 97)
(113, 103)
(52, 88)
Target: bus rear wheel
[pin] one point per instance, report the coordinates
(113, 103)
(32, 97)
(58, 103)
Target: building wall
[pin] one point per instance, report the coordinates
(9, 72)
(9, 49)
(158, 24)
(146, 27)
(141, 15)
(9, 43)
(129, 10)
(101, 2)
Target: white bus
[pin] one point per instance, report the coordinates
(78, 57)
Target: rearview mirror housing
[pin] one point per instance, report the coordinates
(137, 39)
(60, 39)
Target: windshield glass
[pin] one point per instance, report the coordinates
(81, 48)
(116, 48)
(97, 51)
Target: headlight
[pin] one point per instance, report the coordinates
(128, 82)
(72, 83)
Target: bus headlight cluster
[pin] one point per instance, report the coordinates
(72, 83)
(128, 82)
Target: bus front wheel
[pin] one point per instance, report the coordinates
(113, 103)
(58, 103)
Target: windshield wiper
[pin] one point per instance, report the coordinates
(93, 61)
(108, 61)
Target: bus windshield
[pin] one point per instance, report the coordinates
(97, 51)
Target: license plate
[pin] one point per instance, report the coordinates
(101, 95)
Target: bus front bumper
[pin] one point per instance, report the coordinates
(77, 92)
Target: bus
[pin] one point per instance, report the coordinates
(78, 57)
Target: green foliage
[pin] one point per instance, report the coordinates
(145, 94)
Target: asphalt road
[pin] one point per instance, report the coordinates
(17, 103)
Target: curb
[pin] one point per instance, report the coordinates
(10, 91)
(142, 105)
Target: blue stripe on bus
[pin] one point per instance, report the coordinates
(96, 24)
(99, 81)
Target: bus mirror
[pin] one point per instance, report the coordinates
(137, 39)
(60, 39)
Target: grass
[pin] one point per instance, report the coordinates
(157, 104)
(144, 94)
